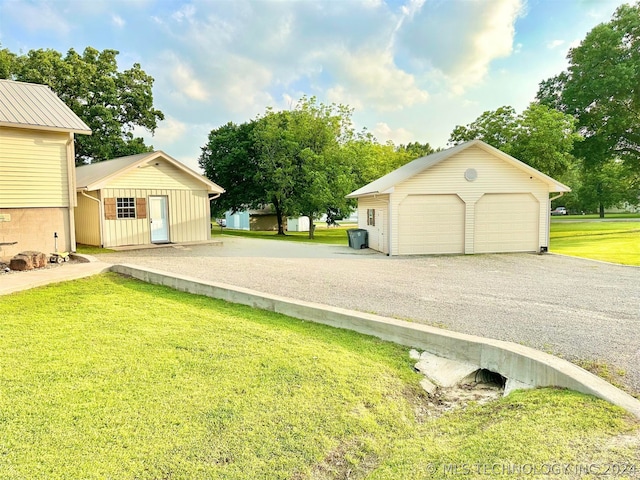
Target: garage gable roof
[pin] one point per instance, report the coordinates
(29, 105)
(385, 183)
(97, 175)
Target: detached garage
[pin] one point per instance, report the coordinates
(142, 199)
(471, 198)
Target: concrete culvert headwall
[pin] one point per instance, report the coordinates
(522, 366)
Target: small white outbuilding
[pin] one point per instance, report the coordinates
(142, 199)
(471, 198)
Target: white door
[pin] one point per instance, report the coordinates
(431, 224)
(158, 219)
(507, 222)
(380, 233)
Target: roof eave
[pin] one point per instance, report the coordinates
(27, 126)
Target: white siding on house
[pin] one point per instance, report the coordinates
(33, 168)
(448, 177)
(189, 217)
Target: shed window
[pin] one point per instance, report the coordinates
(371, 217)
(126, 207)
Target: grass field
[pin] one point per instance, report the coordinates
(322, 234)
(617, 242)
(108, 377)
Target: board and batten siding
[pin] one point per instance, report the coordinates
(188, 212)
(494, 175)
(33, 168)
(87, 216)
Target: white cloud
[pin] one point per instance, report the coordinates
(186, 13)
(372, 80)
(461, 38)
(384, 133)
(555, 44)
(35, 17)
(169, 130)
(117, 20)
(244, 86)
(183, 78)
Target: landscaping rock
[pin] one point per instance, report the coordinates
(38, 259)
(28, 261)
(21, 263)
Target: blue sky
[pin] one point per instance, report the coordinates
(411, 69)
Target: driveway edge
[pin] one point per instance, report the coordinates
(515, 362)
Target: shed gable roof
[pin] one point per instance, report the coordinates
(388, 181)
(29, 105)
(97, 175)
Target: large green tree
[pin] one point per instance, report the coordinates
(230, 159)
(111, 102)
(540, 136)
(600, 90)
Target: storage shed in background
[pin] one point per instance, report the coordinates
(471, 198)
(142, 199)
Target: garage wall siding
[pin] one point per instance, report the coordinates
(494, 175)
(377, 234)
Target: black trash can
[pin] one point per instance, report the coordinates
(358, 238)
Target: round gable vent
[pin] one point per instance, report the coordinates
(471, 174)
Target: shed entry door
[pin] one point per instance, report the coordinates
(158, 219)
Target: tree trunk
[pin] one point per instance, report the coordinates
(312, 227)
(279, 216)
(601, 210)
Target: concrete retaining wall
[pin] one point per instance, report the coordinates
(513, 361)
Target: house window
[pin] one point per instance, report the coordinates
(126, 207)
(371, 217)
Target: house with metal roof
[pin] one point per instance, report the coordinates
(37, 169)
(142, 199)
(471, 198)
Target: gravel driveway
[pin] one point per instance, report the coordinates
(574, 308)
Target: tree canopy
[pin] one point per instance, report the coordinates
(302, 161)
(600, 89)
(111, 102)
(540, 136)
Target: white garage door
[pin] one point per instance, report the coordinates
(431, 224)
(507, 222)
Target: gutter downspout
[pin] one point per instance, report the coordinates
(73, 201)
(549, 219)
(100, 214)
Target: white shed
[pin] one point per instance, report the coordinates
(142, 199)
(471, 198)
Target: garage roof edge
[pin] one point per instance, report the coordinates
(384, 183)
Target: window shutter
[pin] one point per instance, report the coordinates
(110, 209)
(141, 208)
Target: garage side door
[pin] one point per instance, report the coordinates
(507, 222)
(431, 224)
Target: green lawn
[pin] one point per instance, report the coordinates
(322, 234)
(108, 377)
(617, 242)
